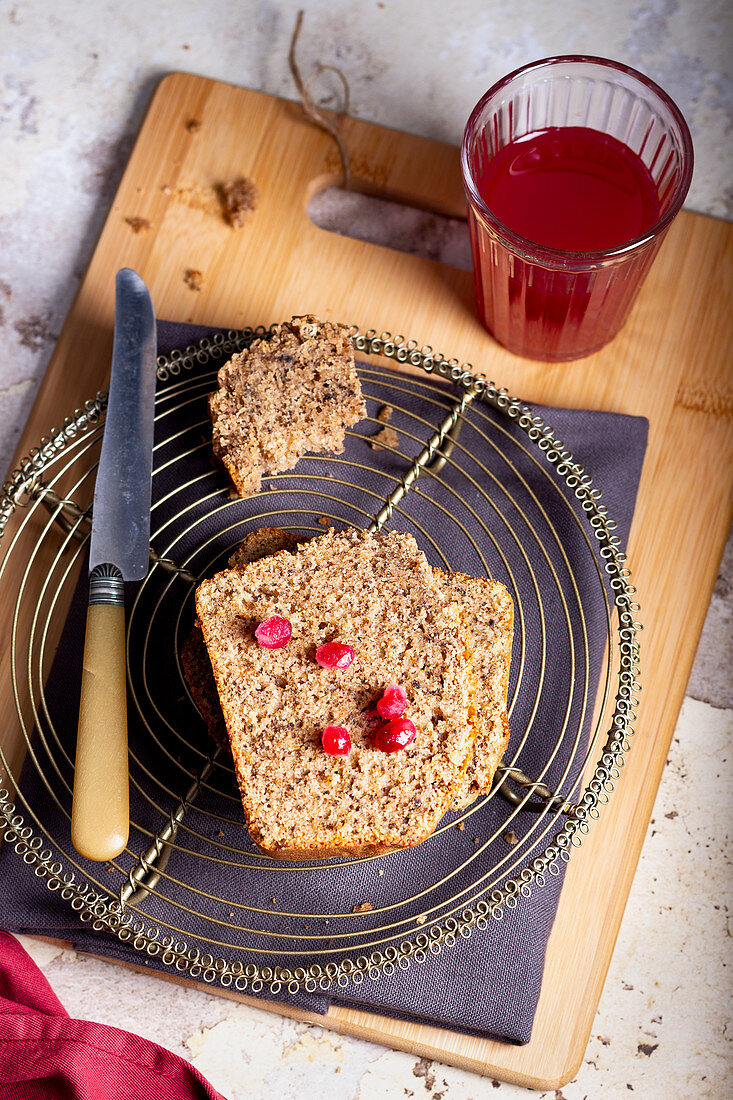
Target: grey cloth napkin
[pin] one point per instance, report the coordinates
(500, 504)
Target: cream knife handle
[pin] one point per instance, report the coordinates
(100, 816)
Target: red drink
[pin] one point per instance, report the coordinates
(566, 219)
(571, 188)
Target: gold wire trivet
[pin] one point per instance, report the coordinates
(48, 488)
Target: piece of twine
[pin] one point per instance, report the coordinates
(330, 126)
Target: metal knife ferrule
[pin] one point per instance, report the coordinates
(106, 585)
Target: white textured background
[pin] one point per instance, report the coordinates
(75, 77)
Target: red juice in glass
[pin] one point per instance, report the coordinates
(571, 188)
(566, 218)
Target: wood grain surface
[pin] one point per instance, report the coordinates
(671, 364)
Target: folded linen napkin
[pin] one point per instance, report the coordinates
(45, 1055)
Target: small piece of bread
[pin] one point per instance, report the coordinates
(378, 594)
(194, 658)
(292, 394)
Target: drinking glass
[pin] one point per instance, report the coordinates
(544, 302)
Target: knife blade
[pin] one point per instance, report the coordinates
(119, 552)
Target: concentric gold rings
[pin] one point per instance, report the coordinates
(500, 528)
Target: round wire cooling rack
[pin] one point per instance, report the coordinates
(486, 488)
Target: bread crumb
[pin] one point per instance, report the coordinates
(387, 437)
(239, 198)
(365, 907)
(511, 837)
(380, 871)
(323, 520)
(193, 125)
(477, 840)
(385, 414)
(274, 901)
(193, 279)
(461, 826)
(421, 919)
(200, 198)
(138, 224)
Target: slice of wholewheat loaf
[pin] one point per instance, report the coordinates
(489, 612)
(291, 394)
(194, 658)
(378, 594)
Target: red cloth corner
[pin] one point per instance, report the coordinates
(45, 1055)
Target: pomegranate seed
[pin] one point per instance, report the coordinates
(335, 655)
(393, 702)
(274, 632)
(336, 741)
(370, 713)
(395, 735)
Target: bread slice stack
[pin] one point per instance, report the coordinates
(445, 638)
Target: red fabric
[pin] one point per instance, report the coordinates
(45, 1055)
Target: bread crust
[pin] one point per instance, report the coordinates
(489, 611)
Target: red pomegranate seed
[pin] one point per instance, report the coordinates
(335, 655)
(395, 735)
(274, 633)
(336, 741)
(393, 702)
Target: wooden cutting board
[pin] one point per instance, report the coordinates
(670, 364)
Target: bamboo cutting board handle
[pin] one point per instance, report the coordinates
(100, 817)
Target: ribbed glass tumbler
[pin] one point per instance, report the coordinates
(545, 302)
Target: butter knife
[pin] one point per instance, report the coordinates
(119, 552)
